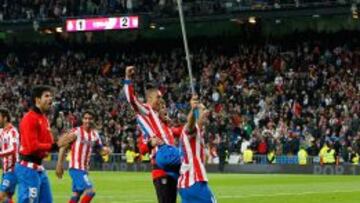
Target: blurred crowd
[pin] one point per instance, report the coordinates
(266, 97)
(54, 9)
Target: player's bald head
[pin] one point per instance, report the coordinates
(152, 92)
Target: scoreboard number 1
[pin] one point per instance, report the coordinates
(80, 25)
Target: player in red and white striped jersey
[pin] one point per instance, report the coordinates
(81, 149)
(147, 113)
(193, 180)
(9, 142)
(154, 132)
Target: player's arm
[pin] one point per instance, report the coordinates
(177, 131)
(64, 143)
(138, 106)
(13, 145)
(143, 144)
(191, 120)
(102, 149)
(203, 112)
(7, 152)
(60, 162)
(10, 150)
(67, 139)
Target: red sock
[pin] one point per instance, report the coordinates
(75, 198)
(87, 198)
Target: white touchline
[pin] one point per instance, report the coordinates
(282, 194)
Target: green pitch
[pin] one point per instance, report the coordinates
(116, 187)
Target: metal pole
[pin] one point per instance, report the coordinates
(187, 53)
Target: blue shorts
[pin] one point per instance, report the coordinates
(80, 180)
(197, 193)
(8, 183)
(34, 185)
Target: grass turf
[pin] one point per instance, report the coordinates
(119, 187)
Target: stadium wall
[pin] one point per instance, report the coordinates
(315, 169)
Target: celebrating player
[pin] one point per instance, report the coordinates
(81, 149)
(9, 141)
(156, 133)
(36, 141)
(192, 182)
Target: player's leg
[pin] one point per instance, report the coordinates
(75, 197)
(165, 189)
(45, 194)
(10, 193)
(197, 193)
(76, 189)
(3, 197)
(28, 184)
(171, 189)
(157, 186)
(88, 195)
(184, 196)
(7, 188)
(206, 192)
(82, 185)
(9, 199)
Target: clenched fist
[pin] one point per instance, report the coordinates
(130, 71)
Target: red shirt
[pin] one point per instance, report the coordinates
(35, 134)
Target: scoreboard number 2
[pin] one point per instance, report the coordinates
(124, 21)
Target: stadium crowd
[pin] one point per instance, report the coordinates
(55, 9)
(268, 97)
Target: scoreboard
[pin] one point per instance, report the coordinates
(100, 24)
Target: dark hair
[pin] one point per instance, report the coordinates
(5, 113)
(38, 91)
(90, 112)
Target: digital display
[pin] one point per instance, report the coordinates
(100, 24)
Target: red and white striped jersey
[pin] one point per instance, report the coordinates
(82, 147)
(148, 120)
(193, 160)
(9, 142)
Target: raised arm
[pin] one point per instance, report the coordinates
(192, 122)
(138, 106)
